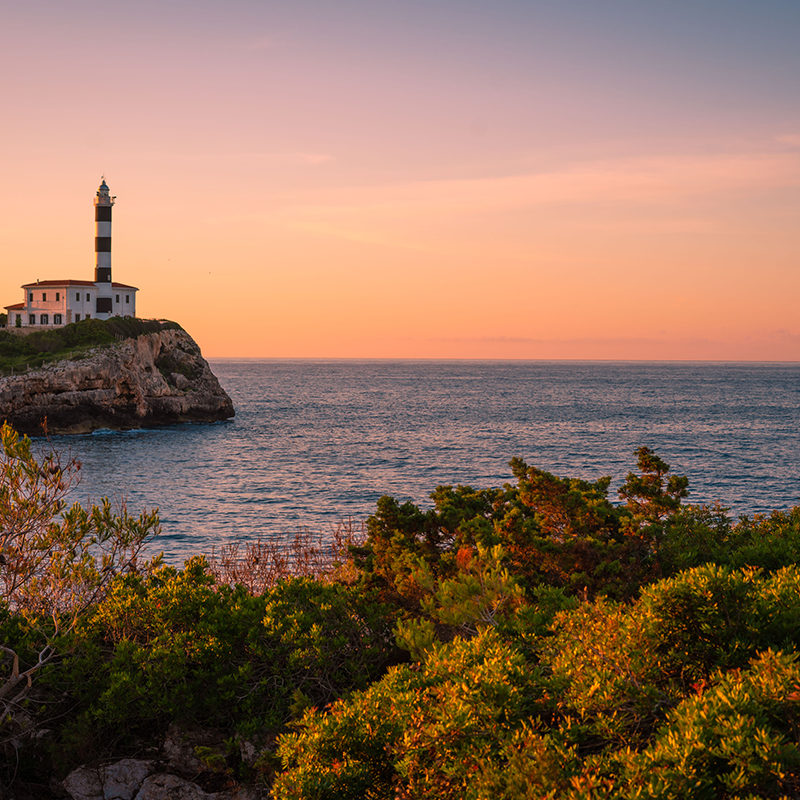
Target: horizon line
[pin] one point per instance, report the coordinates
(507, 359)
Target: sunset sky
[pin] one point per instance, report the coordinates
(417, 178)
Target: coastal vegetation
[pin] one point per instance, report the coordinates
(19, 351)
(535, 640)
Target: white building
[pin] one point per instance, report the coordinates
(54, 303)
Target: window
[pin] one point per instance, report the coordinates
(30, 297)
(31, 319)
(77, 318)
(56, 319)
(58, 296)
(44, 297)
(88, 316)
(87, 299)
(45, 320)
(127, 298)
(116, 298)
(77, 297)
(19, 320)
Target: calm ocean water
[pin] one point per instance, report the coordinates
(315, 442)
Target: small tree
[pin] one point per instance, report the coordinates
(55, 563)
(654, 494)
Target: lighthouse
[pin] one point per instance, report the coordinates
(103, 203)
(55, 303)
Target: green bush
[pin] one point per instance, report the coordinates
(422, 731)
(324, 640)
(769, 542)
(605, 673)
(712, 617)
(737, 739)
(697, 535)
(554, 531)
(174, 646)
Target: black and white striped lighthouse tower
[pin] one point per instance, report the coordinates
(102, 248)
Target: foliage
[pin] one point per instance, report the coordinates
(620, 667)
(422, 731)
(19, 352)
(604, 672)
(176, 646)
(654, 494)
(481, 594)
(331, 638)
(770, 542)
(736, 739)
(57, 563)
(692, 536)
(619, 701)
(712, 617)
(561, 646)
(554, 531)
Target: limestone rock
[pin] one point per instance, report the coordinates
(121, 780)
(154, 379)
(164, 785)
(131, 779)
(84, 783)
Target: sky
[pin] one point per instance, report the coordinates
(523, 179)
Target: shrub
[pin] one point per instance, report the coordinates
(168, 646)
(561, 532)
(481, 594)
(711, 617)
(736, 739)
(56, 562)
(175, 646)
(605, 673)
(420, 732)
(619, 668)
(770, 542)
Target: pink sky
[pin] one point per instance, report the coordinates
(418, 179)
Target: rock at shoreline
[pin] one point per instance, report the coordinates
(132, 779)
(154, 379)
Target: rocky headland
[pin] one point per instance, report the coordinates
(146, 381)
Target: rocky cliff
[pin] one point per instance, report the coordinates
(154, 379)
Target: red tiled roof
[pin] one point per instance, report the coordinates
(57, 283)
(15, 306)
(74, 283)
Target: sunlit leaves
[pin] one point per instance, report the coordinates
(54, 563)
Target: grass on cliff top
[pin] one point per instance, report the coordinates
(19, 352)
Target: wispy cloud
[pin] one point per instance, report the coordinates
(263, 156)
(790, 139)
(312, 158)
(267, 42)
(654, 180)
(675, 192)
(767, 346)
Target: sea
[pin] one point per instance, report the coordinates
(314, 444)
